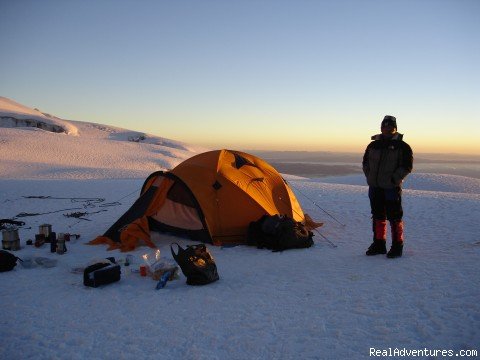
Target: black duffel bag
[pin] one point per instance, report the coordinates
(278, 233)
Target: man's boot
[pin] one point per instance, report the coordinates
(397, 239)
(379, 238)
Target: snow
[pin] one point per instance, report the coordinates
(421, 181)
(320, 303)
(96, 152)
(13, 114)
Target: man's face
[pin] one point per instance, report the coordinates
(388, 130)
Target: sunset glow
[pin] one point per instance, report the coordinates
(284, 75)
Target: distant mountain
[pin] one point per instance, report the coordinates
(35, 144)
(350, 157)
(13, 114)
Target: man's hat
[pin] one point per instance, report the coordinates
(389, 120)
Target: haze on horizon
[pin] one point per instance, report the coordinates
(269, 75)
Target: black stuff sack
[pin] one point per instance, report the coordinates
(102, 273)
(7, 261)
(197, 264)
(279, 233)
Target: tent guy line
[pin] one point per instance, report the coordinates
(318, 206)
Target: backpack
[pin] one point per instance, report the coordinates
(278, 233)
(7, 261)
(197, 264)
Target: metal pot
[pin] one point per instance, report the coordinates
(10, 239)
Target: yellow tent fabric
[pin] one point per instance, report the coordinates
(245, 192)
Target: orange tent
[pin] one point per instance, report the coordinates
(211, 197)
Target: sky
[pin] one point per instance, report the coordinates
(263, 75)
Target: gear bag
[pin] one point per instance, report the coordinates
(7, 261)
(101, 274)
(197, 264)
(278, 233)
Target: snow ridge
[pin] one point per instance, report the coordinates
(42, 146)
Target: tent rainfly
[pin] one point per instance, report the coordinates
(211, 197)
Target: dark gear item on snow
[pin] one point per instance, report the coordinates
(197, 264)
(378, 247)
(102, 273)
(279, 233)
(7, 261)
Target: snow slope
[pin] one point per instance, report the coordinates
(95, 152)
(13, 114)
(320, 303)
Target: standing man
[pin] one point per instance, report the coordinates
(386, 162)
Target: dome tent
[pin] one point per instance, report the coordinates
(211, 197)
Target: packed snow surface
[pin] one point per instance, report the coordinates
(95, 152)
(326, 302)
